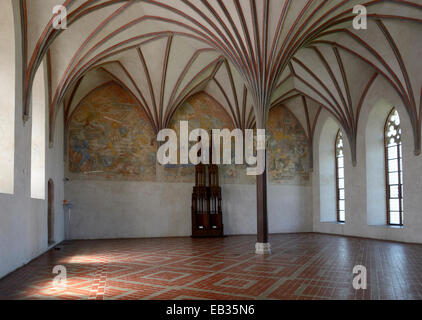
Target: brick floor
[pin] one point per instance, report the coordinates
(302, 266)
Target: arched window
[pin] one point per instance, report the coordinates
(341, 202)
(394, 169)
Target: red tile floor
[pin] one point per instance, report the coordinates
(302, 266)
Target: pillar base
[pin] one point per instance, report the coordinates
(263, 248)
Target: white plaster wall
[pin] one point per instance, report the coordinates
(38, 133)
(327, 173)
(121, 209)
(289, 208)
(7, 100)
(357, 204)
(23, 221)
(376, 205)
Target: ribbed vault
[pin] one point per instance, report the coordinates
(243, 53)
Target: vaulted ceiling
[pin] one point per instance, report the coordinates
(249, 55)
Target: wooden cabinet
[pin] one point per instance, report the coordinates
(207, 216)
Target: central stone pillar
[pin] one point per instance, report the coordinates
(263, 246)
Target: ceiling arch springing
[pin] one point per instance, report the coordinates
(230, 91)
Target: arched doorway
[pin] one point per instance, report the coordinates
(50, 212)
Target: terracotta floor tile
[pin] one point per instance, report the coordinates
(302, 266)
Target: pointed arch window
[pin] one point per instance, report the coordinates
(340, 186)
(394, 169)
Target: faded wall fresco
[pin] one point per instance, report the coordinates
(288, 148)
(203, 112)
(111, 137)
